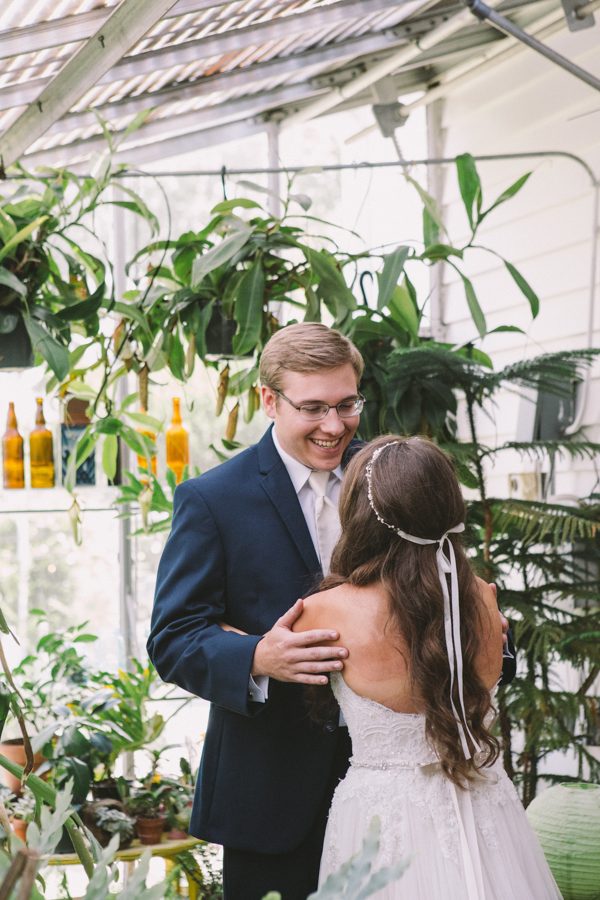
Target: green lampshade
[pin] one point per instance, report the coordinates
(566, 819)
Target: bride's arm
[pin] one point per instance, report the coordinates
(489, 662)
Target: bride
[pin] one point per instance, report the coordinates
(425, 650)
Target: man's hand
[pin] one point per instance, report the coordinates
(503, 619)
(289, 656)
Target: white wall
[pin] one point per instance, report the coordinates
(528, 104)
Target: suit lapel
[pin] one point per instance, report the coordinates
(278, 486)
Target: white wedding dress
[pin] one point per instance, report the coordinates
(473, 844)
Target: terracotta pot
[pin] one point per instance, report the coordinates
(20, 828)
(149, 831)
(15, 751)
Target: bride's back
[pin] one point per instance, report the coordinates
(378, 663)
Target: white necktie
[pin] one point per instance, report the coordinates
(327, 520)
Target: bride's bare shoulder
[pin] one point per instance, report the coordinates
(319, 608)
(340, 606)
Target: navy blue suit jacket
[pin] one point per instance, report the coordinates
(240, 552)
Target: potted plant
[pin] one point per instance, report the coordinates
(49, 285)
(148, 808)
(21, 812)
(105, 818)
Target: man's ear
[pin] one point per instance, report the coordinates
(269, 400)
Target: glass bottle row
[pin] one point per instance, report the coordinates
(41, 450)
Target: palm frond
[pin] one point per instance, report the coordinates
(544, 449)
(538, 522)
(551, 372)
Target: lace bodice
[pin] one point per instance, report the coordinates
(382, 738)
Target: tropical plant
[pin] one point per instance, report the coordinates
(55, 274)
(544, 556)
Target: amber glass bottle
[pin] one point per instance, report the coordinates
(12, 452)
(178, 443)
(41, 451)
(141, 460)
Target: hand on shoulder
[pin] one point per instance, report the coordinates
(297, 649)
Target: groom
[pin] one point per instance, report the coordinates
(248, 538)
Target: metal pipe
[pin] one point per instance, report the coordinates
(587, 9)
(585, 387)
(486, 13)
(338, 167)
(336, 96)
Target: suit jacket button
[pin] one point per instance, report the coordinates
(330, 727)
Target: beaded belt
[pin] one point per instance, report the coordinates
(389, 764)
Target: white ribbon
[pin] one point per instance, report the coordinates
(446, 565)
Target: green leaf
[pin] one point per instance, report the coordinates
(470, 187)
(227, 206)
(333, 289)
(525, 288)
(204, 321)
(175, 356)
(499, 328)
(82, 390)
(109, 455)
(11, 281)
(85, 308)
(429, 203)
(145, 419)
(221, 254)
(441, 251)
(7, 227)
(402, 310)
(473, 303)
(507, 194)
(21, 235)
(388, 278)
(83, 448)
(109, 425)
(55, 354)
(248, 309)
(129, 311)
(431, 231)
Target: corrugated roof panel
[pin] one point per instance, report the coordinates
(179, 65)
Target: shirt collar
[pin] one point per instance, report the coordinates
(298, 472)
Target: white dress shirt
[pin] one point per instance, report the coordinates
(258, 687)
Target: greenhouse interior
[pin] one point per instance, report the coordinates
(245, 244)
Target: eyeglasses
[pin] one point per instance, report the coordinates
(352, 406)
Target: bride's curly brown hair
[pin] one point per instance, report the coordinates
(414, 488)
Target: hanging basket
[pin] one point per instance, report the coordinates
(566, 819)
(16, 351)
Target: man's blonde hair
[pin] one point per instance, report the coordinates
(306, 347)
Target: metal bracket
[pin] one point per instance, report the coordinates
(577, 15)
(390, 116)
(486, 13)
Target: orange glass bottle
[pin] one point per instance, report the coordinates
(141, 460)
(12, 452)
(178, 443)
(41, 451)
